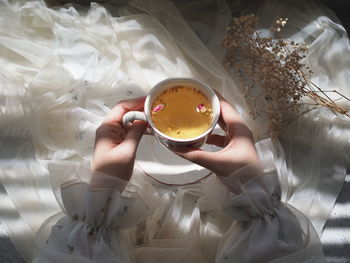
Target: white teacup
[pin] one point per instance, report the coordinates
(168, 141)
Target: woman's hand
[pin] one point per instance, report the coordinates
(238, 145)
(115, 147)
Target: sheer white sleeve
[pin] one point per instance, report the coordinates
(264, 228)
(91, 228)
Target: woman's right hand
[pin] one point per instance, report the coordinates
(115, 146)
(238, 145)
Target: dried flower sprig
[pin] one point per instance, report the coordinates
(272, 72)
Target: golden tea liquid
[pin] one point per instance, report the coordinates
(182, 112)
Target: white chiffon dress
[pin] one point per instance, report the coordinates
(62, 70)
(209, 221)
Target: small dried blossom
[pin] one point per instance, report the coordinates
(158, 108)
(272, 72)
(201, 108)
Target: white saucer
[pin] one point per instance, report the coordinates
(165, 166)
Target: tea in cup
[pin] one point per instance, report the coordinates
(180, 111)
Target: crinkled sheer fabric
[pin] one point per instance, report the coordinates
(63, 69)
(275, 231)
(61, 72)
(202, 222)
(92, 229)
(312, 154)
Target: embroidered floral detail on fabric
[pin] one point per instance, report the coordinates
(79, 135)
(70, 248)
(93, 232)
(104, 208)
(140, 234)
(86, 85)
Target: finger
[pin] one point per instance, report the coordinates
(197, 156)
(109, 135)
(133, 137)
(217, 140)
(228, 114)
(235, 125)
(122, 107)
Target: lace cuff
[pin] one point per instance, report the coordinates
(103, 207)
(91, 230)
(258, 197)
(265, 229)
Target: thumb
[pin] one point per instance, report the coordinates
(197, 156)
(133, 136)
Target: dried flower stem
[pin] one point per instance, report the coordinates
(272, 73)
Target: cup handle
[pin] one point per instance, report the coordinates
(131, 116)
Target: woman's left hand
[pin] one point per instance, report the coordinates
(115, 146)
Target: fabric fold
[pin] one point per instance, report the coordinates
(264, 228)
(91, 230)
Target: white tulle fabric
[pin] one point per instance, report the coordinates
(90, 231)
(314, 150)
(312, 154)
(64, 68)
(146, 223)
(61, 72)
